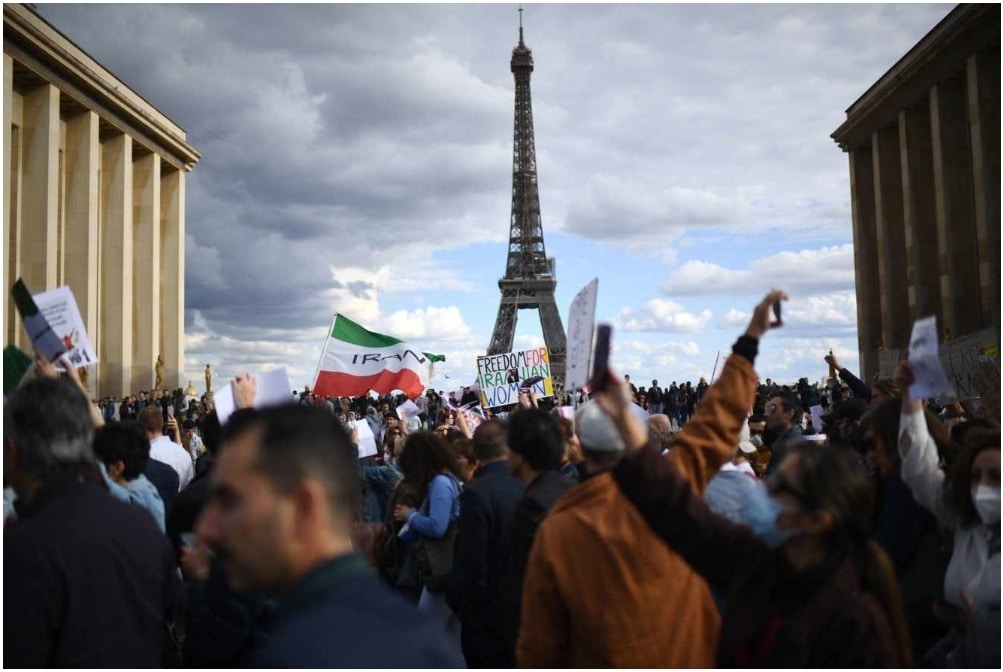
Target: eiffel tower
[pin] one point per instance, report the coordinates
(529, 280)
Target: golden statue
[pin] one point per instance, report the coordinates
(191, 391)
(83, 375)
(208, 379)
(158, 370)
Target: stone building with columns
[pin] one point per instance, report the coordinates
(94, 198)
(924, 149)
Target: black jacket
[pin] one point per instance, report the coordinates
(88, 581)
(540, 497)
(341, 615)
(487, 510)
(165, 480)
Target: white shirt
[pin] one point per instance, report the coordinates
(743, 467)
(174, 455)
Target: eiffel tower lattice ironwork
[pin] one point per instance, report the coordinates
(529, 280)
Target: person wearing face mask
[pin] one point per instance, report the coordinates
(804, 587)
(965, 500)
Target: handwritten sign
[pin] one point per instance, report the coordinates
(500, 377)
(581, 328)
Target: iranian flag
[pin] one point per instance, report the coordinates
(356, 360)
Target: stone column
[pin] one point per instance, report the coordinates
(983, 74)
(145, 270)
(115, 368)
(39, 193)
(8, 234)
(82, 159)
(865, 259)
(172, 275)
(953, 193)
(892, 258)
(919, 212)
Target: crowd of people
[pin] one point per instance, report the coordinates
(688, 526)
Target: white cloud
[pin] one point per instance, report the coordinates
(661, 315)
(799, 273)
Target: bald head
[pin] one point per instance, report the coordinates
(659, 424)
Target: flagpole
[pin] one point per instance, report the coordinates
(716, 359)
(327, 339)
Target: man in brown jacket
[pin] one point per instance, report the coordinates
(601, 590)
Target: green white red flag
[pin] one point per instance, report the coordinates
(356, 360)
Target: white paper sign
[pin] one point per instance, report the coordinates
(816, 417)
(581, 328)
(408, 409)
(367, 442)
(273, 390)
(59, 307)
(930, 379)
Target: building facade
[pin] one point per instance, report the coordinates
(94, 198)
(924, 150)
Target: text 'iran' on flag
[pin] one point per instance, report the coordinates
(356, 360)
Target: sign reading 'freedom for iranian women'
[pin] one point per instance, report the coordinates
(501, 376)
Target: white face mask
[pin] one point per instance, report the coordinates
(987, 503)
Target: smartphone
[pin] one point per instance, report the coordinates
(170, 411)
(600, 361)
(776, 312)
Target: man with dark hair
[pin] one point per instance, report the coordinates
(124, 452)
(285, 493)
(88, 580)
(487, 510)
(783, 411)
(536, 445)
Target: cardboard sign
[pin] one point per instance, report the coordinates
(500, 377)
(581, 329)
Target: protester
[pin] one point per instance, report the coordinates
(601, 590)
(432, 526)
(907, 533)
(537, 446)
(89, 581)
(487, 509)
(124, 451)
(782, 413)
(966, 501)
(162, 448)
(285, 493)
(572, 461)
(806, 586)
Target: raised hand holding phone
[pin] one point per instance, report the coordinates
(599, 379)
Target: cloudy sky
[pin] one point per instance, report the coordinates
(357, 159)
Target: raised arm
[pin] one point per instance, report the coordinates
(920, 461)
(857, 386)
(709, 438)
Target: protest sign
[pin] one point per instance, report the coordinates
(473, 416)
(929, 377)
(581, 328)
(816, 417)
(59, 307)
(367, 442)
(408, 410)
(272, 390)
(500, 377)
(43, 338)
